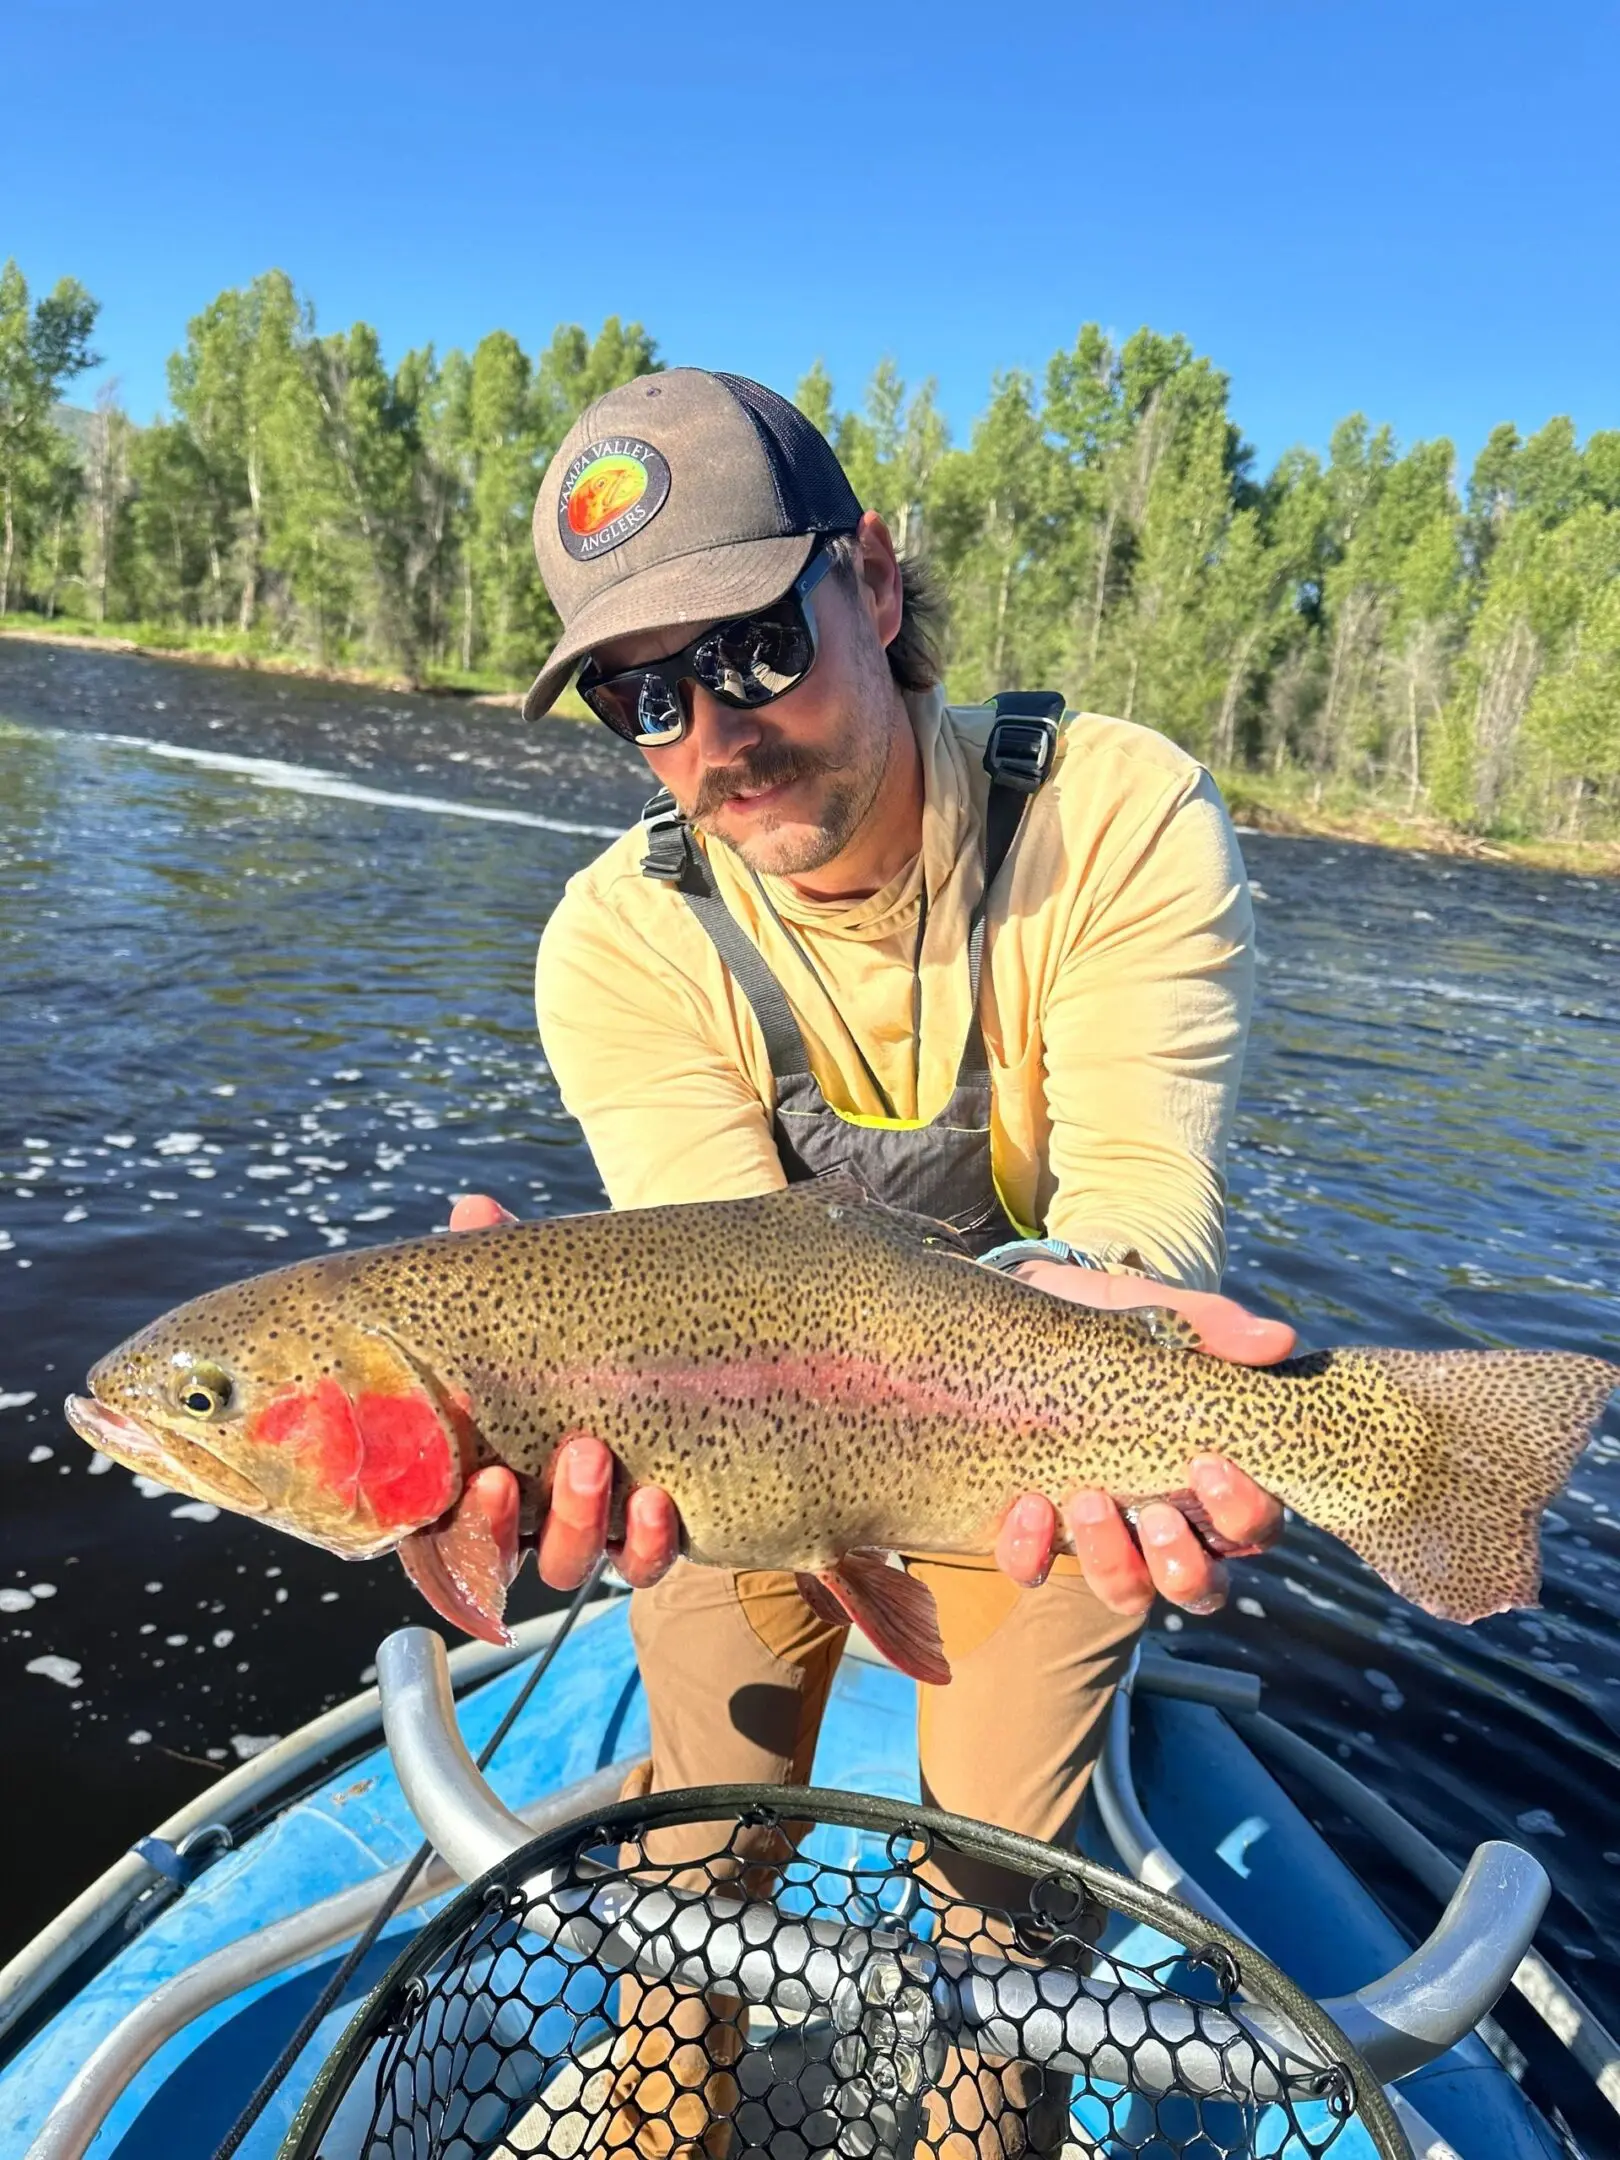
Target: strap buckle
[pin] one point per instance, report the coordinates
(1023, 739)
(668, 841)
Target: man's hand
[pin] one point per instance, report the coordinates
(575, 1530)
(1164, 1556)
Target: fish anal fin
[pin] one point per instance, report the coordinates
(1186, 1502)
(892, 1609)
(821, 1600)
(464, 1563)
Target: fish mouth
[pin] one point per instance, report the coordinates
(184, 1464)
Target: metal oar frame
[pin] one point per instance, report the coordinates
(792, 1977)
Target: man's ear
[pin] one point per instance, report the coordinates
(878, 570)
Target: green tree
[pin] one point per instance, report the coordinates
(814, 398)
(54, 556)
(1573, 718)
(437, 398)
(225, 385)
(1088, 424)
(1546, 583)
(994, 522)
(106, 498)
(368, 438)
(41, 350)
(575, 370)
(505, 447)
(891, 450)
(170, 520)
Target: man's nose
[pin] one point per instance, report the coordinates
(720, 733)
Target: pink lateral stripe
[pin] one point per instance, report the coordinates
(829, 1381)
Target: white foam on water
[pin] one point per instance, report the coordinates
(312, 780)
(65, 1671)
(247, 1745)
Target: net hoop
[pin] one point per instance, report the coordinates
(1061, 1882)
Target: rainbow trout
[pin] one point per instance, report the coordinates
(819, 1381)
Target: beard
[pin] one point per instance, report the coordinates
(790, 843)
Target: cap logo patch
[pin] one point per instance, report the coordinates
(609, 492)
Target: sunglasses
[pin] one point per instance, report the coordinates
(747, 662)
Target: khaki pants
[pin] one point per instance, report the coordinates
(737, 1670)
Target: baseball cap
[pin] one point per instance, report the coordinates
(679, 498)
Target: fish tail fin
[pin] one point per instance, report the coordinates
(1497, 1434)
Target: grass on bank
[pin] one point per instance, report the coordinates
(1290, 801)
(1295, 801)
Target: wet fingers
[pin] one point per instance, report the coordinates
(1024, 1545)
(1180, 1567)
(576, 1525)
(652, 1537)
(1247, 1517)
(477, 1211)
(1110, 1558)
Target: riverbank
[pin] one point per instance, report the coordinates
(1291, 803)
(233, 649)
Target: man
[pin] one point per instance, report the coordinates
(1015, 999)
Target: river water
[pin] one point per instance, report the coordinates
(254, 1006)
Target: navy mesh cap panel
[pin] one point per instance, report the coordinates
(811, 485)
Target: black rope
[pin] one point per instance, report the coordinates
(310, 2022)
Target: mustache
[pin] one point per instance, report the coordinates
(777, 765)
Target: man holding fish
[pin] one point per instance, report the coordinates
(848, 805)
(881, 1006)
(840, 816)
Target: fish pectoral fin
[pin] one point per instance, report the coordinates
(1162, 1325)
(892, 1609)
(464, 1563)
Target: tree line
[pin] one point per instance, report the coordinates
(1367, 619)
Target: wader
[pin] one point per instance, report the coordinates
(672, 2087)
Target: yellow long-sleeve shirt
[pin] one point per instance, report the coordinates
(1118, 978)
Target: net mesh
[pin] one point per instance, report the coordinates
(855, 1980)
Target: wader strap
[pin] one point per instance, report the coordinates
(1018, 757)
(673, 858)
(1004, 813)
(753, 978)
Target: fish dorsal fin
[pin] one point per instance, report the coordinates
(844, 1187)
(1162, 1325)
(842, 1184)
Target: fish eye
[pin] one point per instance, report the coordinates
(205, 1391)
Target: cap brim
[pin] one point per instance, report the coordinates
(704, 587)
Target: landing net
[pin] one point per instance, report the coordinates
(764, 1973)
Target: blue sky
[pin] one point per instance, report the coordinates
(1411, 209)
